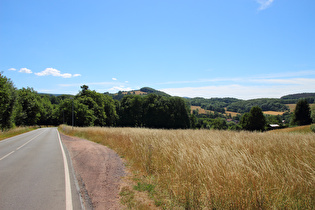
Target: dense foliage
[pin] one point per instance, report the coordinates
(253, 120)
(302, 113)
(266, 104)
(154, 111)
(7, 102)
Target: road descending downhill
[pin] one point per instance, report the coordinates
(35, 174)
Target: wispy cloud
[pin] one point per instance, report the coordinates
(260, 86)
(114, 79)
(12, 69)
(55, 73)
(25, 70)
(264, 4)
(240, 91)
(277, 78)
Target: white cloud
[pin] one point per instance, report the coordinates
(120, 88)
(264, 4)
(12, 69)
(55, 73)
(25, 70)
(77, 75)
(114, 79)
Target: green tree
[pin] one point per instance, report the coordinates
(83, 116)
(7, 102)
(302, 113)
(254, 120)
(219, 124)
(131, 111)
(46, 112)
(313, 114)
(102, 105)
(28, 111)
(179, 113)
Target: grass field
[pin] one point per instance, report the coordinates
(15, 131)
(206, 169)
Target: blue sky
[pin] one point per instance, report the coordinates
(206, 48)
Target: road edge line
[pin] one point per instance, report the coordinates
(69, 205)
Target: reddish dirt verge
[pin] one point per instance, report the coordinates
(99, 171)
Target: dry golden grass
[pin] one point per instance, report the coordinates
(205, 169)
(233, 114)
(273, 113)
(15, 131)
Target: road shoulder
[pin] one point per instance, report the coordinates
(99, 171)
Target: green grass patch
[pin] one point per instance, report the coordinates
(141, 187)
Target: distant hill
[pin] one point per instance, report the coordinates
(299, 95)
(149, 90)
(141, 92)
(293, 98)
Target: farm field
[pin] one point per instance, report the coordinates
(200, 110)
(273, 113)
(233, 114)
(205, 169)
(292, 106)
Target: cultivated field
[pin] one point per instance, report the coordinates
(205, 169)
(200, 110)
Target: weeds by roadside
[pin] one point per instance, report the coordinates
(16, 131)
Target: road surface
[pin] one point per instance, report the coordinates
(36, 173)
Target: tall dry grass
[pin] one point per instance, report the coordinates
(16, 131)
(203, 169)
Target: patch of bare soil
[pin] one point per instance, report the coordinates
(99, 171)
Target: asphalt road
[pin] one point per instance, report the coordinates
(36, 173)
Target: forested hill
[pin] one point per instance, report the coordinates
(242, 106)
(299, 96)
(143, 91)
(229, 104)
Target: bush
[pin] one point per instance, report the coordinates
(313, 128)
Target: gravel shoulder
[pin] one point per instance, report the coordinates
(99, 171)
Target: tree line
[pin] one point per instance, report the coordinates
(25, 107)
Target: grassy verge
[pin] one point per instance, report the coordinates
(16, 131)
(206, 169)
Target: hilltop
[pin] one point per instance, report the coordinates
(142, 91)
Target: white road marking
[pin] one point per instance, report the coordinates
(67, 178)
(6, 155)
(21, 146)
